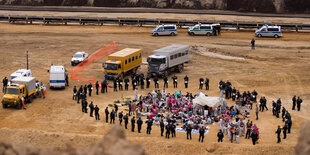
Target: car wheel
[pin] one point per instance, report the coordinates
(259, 35)
(208, 34)
(156, 34)
(172, 34)
(276, 36)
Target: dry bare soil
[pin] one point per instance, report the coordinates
(277, 68)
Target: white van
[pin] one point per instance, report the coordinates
(57, 77)
(20, 72)
(269, 31)
(201, 29)
(78, 57)
(165, 30)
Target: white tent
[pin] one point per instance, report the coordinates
(203, 100)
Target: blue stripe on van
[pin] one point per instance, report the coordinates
(269, 32)
(165, 30)
(57, 81)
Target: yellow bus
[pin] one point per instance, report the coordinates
(122, 62)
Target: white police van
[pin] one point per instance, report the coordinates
(269, 31)
(201, 29)
(165, 30)
(57, 77)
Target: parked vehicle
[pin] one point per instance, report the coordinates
(201, 29)
(165, 30)
(122, 62)
(57, 77)
(269, 31)
(20, 86)
(78, 57)
(168, 59)
(20, 72)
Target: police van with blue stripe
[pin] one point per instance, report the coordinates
(57, 77)
(269, 31)
(165, 30)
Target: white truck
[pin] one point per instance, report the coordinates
(168, 59)
(20, 72)
(57, 77)
(78, 57)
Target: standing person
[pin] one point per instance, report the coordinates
(186, 81)
(175, 81)
(5, 84)
(201, 134)
(67, 79)
(139, 123)
(285, 127)
(148, 81)
(237, 133)
(133, 121)
(129, 107)
(105, 86)
(90, 89)
(106, 114)
(220, 136)
(74, 93)
(254, 137)
(136, 94)
(256, 112)
(97, 113)
(97, 88)
(91, 107)
(207, 83)
(149, 126)
(189, 131)
(253, 43)
(116, 109)
(168, 131)
(165, 82)
(294, 102)
(115, 85)
(162, 127)
(85, 90)
(112, 117)
(120, 84)
(134, 83)
(299, 101)
(142, 81)
(248, 131)
(23, 102)
(120, 118)
(278, 132)
(173, 128)
(200, 83)
(126, 120)
(156, 82)
(289, 123)
(126, 83)
(283, 114)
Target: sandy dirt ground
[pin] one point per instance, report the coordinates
(277, 68)
(197, 17)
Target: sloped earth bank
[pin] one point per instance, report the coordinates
(277, 68)
(274, 6)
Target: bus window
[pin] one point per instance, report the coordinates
(136, 57)
(119, 66)
(129, 60)
(179, 55)
(171, 57)
(126, 61)
(132, 59)
(140, 55)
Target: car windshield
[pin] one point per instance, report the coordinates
(12, 91)
(109, 66)
(78, 56)
(156, 60)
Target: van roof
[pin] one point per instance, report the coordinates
(23, 78)
(80, 52)
(20, 72)
(272, 26)
(57, 69)
(124, 52)
(166, 25)
(171, 48)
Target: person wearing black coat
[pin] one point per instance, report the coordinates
(107, 114)
(126, 83)
(91, 107)
(189, 132)
(149, 126)
(299, 101)
(201, 134)
(278, 132)
(165, 82)
(148, 82)
(97, 113)
(133, 121)
(120, 84)
(142, 82)
(173, 128)
(126, 120)
(85, 89)
(168, 128)
(139, 123)
(186, 81)
(162, 128)
(294, 102)
(285, 127)
(254, 137)
(116, 109)
(112, 117)
(90, 89)
(74, 93)
(220, 136)
(156, 82)
(115, 85)
(175, 81)
(207, 83)
(201, 83)
(120, 118)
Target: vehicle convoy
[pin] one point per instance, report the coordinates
(202, 29)
(78, 57)
(269, 31)
(20, 72)
(168, 59)
(57, 77)
(165, 30)
(20, 86)
(122, 62)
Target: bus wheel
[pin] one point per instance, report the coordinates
(180, 68)
(172, 34)
(4, 106)
(276, 36)
(259, 35)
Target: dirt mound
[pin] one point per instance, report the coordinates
(113, 143)
(303, 147)
(270, 6)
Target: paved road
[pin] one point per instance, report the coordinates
(143, 10)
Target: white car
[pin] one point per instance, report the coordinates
(78, 57)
